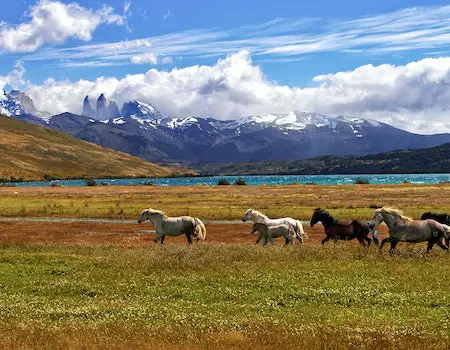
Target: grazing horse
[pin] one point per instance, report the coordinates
(258, 217)
(269, 232)
(345, 230)
(173, 226)
(405, 229)
(442, 218)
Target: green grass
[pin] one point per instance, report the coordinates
(228, 296)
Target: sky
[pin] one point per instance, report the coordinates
(384, 60)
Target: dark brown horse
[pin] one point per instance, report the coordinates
(439, 217)
(345, 230)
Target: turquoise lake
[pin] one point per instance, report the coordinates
(259, 180)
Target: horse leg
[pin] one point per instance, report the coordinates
(162, 239)
(265, 241)
(188, 236)
(158, 237)
(361, 241)
(393, 245)
(326, 239)
(389, 239)
(260, 235)
(430, 244)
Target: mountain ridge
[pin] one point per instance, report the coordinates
(143, 131)
(34, 152)
(429, 160)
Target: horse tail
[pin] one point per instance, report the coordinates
(199, 229)
(299, 229)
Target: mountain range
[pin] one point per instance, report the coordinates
(140, 129)
(428, 160)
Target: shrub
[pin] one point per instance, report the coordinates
(91, 182)
(406, 181)
(223, 182)
(361, 181)
(49, 177)
(240, 182)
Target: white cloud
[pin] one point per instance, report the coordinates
(167, 15)
(52, 22)
(15, 78)
(144, 58)
(414, 97)
(420, 28)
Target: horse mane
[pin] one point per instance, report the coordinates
(154, 211)
(258, 213)
(393, 211)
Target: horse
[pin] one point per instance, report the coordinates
(173, 226)
(442, 218)
(258, 217)
(345, 230)
(405, 229)
(269, 232)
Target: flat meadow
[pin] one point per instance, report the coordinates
(106, 285)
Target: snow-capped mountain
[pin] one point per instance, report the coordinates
(140, 111)
(17, 104)
(141, 130)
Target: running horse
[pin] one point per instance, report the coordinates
(405, 229)
(345, 230)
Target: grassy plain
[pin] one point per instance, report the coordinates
(222, 202)
(106, 285)
(222, 296)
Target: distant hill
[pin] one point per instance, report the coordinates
(33, 152)
(430, 160)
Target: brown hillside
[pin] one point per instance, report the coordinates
(31, 152)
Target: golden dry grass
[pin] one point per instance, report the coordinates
(223, 202)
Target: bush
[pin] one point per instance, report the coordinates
(223, 182)
(91, 182)
(361, 181)
(49, 177)
(240, 182)
(406, 181)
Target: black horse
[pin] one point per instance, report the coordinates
(439, 217)
(345, 230)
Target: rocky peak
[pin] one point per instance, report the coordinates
(88, 111)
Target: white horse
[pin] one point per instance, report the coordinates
(405, 229)
(269, 232)
(258, 217)
(173, 226)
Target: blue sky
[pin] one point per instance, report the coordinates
(291, 48)
(149, 19)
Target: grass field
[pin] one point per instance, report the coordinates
(106, 285)
(222, 296)
(222, 202)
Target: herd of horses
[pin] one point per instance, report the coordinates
(433, 228)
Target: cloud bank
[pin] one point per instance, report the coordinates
(415, 96)
(53, 22)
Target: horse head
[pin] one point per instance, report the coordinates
(248, 215)
(377, 219)
(318, 215)
(147, 213)
(258, 227)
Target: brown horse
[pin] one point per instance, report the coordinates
(345, 230)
